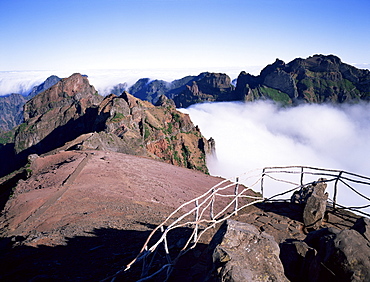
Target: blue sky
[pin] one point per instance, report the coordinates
(120, 34)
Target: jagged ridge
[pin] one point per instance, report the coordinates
(126, 124)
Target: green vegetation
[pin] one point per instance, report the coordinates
(276, 95)
(29, 172)
(117, 117)
(177, 158)
(185, 152)
(7, 137)
(176, 117)
(169, 129)
(321, 85)
(22, 127)
(146, 131)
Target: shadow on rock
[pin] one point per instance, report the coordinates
(93, 257)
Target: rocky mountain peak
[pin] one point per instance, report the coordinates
(66, 92)
(71, 115)
(317, 79)
(49, 82)
(209, 88)
(163, 101)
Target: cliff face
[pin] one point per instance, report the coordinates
(49, 82)
(148, 90)
(72, 115)
(186, 91)
(60, 113)
(11, 106)
(211, 87)
(129, 125)
(11, 111)
(316, 79)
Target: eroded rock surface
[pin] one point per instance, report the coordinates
(243, 253)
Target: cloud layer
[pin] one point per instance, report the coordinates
(261, 134)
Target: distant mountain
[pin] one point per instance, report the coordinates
(11, 111)
(71, 114)
(49, 82)
(149, 90)
(317, 79)
(11, 106)
(186, 91)
(118, 89)
(210, 87)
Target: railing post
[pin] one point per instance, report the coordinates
(212, 203)
(236, 192)
(336, 189)
(262, 178)
(301, 176)
(145, 268)
(196, 221)
(166, 247)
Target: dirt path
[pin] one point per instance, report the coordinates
(33, 218)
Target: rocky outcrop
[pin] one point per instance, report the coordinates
(118, 89)
(49, 82)
(316, 79)
(186, 91)
(11, 107)
(314, 199)
(59, 114)
(240, 252)
(129, 125)
(72, 115)
(149, 90)
(315, 207)
(342, 255)
(212, 87)
(362, 225)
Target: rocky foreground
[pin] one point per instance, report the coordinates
(84, 215)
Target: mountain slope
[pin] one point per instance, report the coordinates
(86, 214)
(186, 91)
(11, 106)
(316, 79)
(11, 111)
(72, 108)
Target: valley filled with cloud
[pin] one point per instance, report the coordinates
(260, 134)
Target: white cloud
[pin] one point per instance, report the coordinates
(261, 134)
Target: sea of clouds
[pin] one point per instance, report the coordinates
(260, 134)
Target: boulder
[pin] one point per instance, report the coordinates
(295, 256)
(301, 196)
(362, 225)
(315, 207)
(341, 256)
(242, 253)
